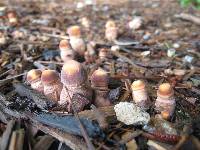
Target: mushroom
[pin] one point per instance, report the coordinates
(76, 41)
(111, 31)
(52, 84)
(139, 94)
(66, 53)
(99, 82)
(34, 78)
(75, 80)
(165, 101)
(12, 18)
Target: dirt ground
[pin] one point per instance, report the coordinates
(43, 23)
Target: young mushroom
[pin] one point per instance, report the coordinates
(75, 80)
(76, 41)
(12, 18)
(2, 39)
(90, 54)
(111, 31)
(34, 78)
(99, 82)
(139, 94)
(52, 84)
(66, 53)
(165, 102)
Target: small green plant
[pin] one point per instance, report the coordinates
(195, 3)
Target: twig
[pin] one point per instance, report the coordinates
(35, 42)
(50, 62)
(126, 59)
(155, 145)
(6, 135)
(56, 36)
(44, 143)
(17, 140)
(100, 117)
(132, 136)
(13, 77)
(189, 17)
(89, 114)
(184, 137)
(136, 77)
(84, 133)
(5, 73)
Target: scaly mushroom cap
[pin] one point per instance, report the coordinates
(49, 77)
(64, 45)
(74, 31)
(99, 78)
(110, 24)
(73, 73)
(137, 85)
(165, 90)
(33, 74)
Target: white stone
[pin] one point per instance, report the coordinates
(136, 23)
(115, 48)
(188, 59)
(176, 45)
(145, 53)
(130, 114)
(171, 52)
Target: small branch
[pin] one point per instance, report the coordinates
(13, 77)
(5, 139)
(82, 128)
(74, 142)
(126, 59)
(56, 36)
(189, 17)
(107, 111)
(44, 143)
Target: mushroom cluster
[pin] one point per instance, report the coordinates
(165, 102)
(73, 80)
(72, 87)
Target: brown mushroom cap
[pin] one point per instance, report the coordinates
(64, 44)
(33, 74)
(73, 73)
(165, 89)
(74, 31)
(138, 85)
(49, 76)
(110, 24)
(99, 78)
